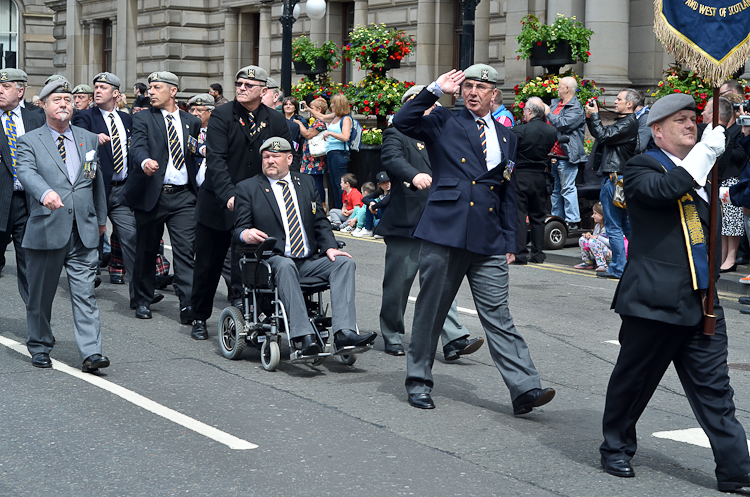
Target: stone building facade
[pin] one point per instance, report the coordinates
(206, 41)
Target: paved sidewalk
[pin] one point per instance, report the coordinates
(729, 282)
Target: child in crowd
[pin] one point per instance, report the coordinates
(595, 246)
(351, 198)
(357, 220)
(375, 205)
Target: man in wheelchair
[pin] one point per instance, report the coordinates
(286, 205)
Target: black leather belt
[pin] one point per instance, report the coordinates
(117, 183)
(20, 192)
(173, 188)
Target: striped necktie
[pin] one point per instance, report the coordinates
(12, 135)
(61, 147)
(296, 243)
(482, 137)
(251, 122)
(116, 145)
(178, 160)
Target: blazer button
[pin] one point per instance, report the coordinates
(491, 209)
(473, 182)
(471, 204)
(70, 211)
(492, 187)
(463, 160)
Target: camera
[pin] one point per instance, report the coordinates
(743, 120)
(740, 107)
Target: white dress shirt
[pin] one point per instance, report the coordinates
(123, 142)
(172, 176)
(494, 156)
(278, 192)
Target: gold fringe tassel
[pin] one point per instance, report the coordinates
(690, 55)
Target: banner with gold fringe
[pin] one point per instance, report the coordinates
(711, 37)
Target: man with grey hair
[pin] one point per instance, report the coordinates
(273, 95)
(566, 114)
(535, 141)
(617, 144)
(16, 120)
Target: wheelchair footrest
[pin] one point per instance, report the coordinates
(351, 349)
(297, 356)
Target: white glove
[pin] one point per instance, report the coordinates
(724, 195)
(702, 157)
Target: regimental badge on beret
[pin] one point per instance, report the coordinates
(102, 78)
(198, 101)
(3, 76)
(152, 76)
(65, 87)
(276, 145)
(485, 74)
(251, 73)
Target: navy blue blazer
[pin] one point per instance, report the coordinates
(468, 207)
(92, 120)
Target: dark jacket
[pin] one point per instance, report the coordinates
(739, 193)
(535, 140)
(726, 168)
(736, 152)
(571, 122)
(149, 141)
(468, 207)
(656, 283)
(31, 120)
(92, 120)
(617, 142)
(257, 208)
(403, 158)
(232, 155)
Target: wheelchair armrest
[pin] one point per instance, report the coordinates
(262, 251)
(340, 244)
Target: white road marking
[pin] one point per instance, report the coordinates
(192, 424)
(465, 310)
(613, 342)
(694, 436)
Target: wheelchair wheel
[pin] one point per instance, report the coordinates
(270, 355)
(230, 324)
(348, 359)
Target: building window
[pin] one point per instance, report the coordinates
(8, 33)
(347, 15)
(107, 46)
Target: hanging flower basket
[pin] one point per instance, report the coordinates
(377, 48)
(535, 35)
(552, 60)
(302, 67)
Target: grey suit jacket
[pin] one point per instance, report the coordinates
(39, 167)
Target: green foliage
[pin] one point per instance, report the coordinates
(377, 95)
(324, 88)
(564, 28)
(304, 50)
(374, 44)
(372, 136)
(546, 86)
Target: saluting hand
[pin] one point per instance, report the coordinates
(451, 81)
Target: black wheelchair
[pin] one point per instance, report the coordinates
(264, 318)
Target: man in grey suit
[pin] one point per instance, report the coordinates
(57, 166)
(14, 212)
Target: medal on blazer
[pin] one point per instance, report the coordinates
(192, 143)
(420, 146)
(509, 170)
(314, 207)
(89, 165)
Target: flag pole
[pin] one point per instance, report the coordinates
(709, 318)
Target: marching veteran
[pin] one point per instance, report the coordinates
(57, 165)
(285, 205)
(659, 297)
(468, 229)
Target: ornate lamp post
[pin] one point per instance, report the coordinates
(316, 9)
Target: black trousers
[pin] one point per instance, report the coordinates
(647, 349)
(210, 251)
(531, 190)
(17, 217)
(177, 212)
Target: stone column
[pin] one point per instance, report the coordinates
(73, 42)
(96, 43)
(360, 19)
(114, 47)
(568, 8)
(318, 32)
(515, 70)
(125, 52)
(264, 43)
(608, 64)
(231, 49)
(426, 42)
(82, 73)
(482, 33)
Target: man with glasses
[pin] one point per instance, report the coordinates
(468, 229)
(14, 212)
(161, 189)
(234, 135)
(566, 114)
(201, 107)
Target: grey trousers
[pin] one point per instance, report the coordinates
(123, 221)
(43, 274)
(17, 217)
(401, 265)
(339, 273)
(441, 271)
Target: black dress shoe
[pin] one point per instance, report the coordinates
(421, 401)
(461, 346)
(348, 338)
(572, 226)
(97, 282)
(199, 330)
(163, 282)
(186, 315)
(742, 261)
(394, 349)
(520, 262)
(533, 398)
(608, 275)
(116, 280)
(730, 269)
(621, 468)
(94, 362)
(158, 297)
(734, 483)
(744, 300)
(143, 312)
(41, 360)
(745, 310)
(308, 345)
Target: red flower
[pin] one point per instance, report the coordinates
(518, 57)
(521, 105)
(701, 106)
(677, 90)
(367, 102)
(367, 109)
(539, 43)
(588, 53)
